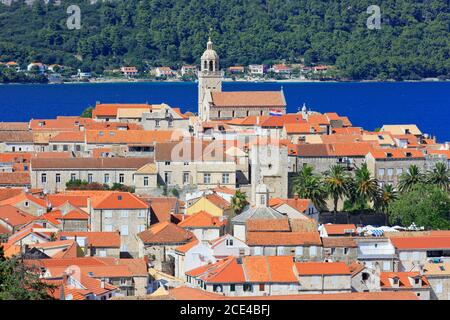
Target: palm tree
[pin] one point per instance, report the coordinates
(238, 202)
(310, 186)
(410, 178)
(386, 196)
(439, 176)
(365, 188)
(336, 183)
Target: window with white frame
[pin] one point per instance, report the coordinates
(121, 178)
(141, 214)
(108, 228)
(108, 213)
(207, 178)
(58, 178)
(44, 178)
(124, 230)
(145, 181)
(390, 172)
(313, 251)
(381, 172)
(185, 177)
(225, 178)
(90, 178)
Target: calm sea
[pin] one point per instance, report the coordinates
(369, 105)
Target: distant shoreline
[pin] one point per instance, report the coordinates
(227, 80)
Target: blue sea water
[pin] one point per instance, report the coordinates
(369, 105)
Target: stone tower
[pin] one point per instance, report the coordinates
(209, 80)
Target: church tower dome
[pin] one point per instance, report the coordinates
(210, 58)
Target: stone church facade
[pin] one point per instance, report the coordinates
(214, 104)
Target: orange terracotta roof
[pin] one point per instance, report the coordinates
(218, 201)
(15, 179)
(397, 154)
(299, 128)
(165, 232)
(442, 152)
(280, 121)
(95, 239)
(120, 200)
(14, 217)
(186, 293)
(69, 136)
(61, 198)
(421, 243)
(283, 238)
(186, 247)
(322, 268)
(264, 225)
(300, 205)
(134, 137)
(339, 229)
(110, 110)
(202, 219)
(24, 197)
(249, 99)
(403, 277)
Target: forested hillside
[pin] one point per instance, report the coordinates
(413, 42)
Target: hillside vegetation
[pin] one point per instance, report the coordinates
(413, 42)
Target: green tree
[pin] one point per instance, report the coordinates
(364, 189)
(239, 202)
(336, 182)
(19, 282)
(87, 113)
(387, 195)
(439, 176)
(424, 205)
(309, 185)
(410, 178)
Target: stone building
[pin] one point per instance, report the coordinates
(214, 104)
(123, 212)
(387, 165)
(194, 163)
(53, 174)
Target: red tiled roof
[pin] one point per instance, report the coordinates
(322, 268)
(283, 238)
(202, 219)
(110, 110)
(15, 178)
(120, 200)
(14, 216)
(339, 229)
(165, 232)
(403, 277)
(249, 99)
(263, 225)
(430, 242)
(95, 239)
(299, 204)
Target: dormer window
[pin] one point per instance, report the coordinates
(408, 154)
(389, 155)
(396, 280)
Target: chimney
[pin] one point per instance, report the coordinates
(102, 283)
(296, 196)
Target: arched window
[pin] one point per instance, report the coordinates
(206, 66)
(211, 66)
(232, 114)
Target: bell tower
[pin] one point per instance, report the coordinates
(209, 80)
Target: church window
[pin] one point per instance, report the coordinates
(211, 66)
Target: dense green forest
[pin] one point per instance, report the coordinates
(413, 42)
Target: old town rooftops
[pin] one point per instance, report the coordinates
(89, 163)
(249, 99)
